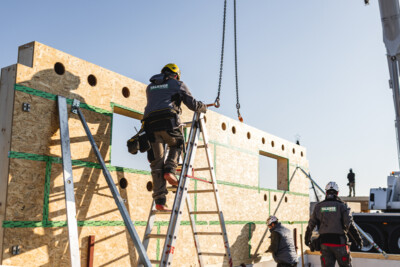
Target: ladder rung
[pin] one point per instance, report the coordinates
(204, 212)
(212, 254)
(200, 191)
(161, 211)
(156, 236)
(201, 169)
(201, 146)
(155, 262)
(208, 233)
(172, 188)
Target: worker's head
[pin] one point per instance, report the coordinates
(172, 70)
(272, 221)
(332, 189)
(351, 170)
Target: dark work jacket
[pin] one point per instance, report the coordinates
(332, 216)
(282, 245)
(351, 177)
(167, 93)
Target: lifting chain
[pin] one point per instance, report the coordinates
(217, 99)
(236, 71)
(216, 102)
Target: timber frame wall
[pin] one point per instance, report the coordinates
(32, 205)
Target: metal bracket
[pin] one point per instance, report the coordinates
(75, 106)
(26, 107)
(16, 250)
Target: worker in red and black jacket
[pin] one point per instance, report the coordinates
(335, 224)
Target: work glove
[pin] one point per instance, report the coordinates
(203, 108)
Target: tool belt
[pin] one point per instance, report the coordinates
(161, 120)
(138, 142)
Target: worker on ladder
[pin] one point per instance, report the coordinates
(161, 122)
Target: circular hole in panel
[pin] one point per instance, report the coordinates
(265, 197)
(92, 80)
(149, 186)
(294, 151)
(123, 183)
(233, 129)
(286, 199)
(263, 140)
(272, 143)
(223, 126)
(59, 68)
(275, 198)
(125, 92)
(301, 153)
(248, 135)
(283, 147)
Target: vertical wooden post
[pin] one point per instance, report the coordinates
(295, 238)
(90, 251)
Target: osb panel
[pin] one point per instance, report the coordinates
(283, 205)
(299, 182)
(74, 82)
(93, 197)
(49, 246)
(236, 166)
(38, 132)
(247, 204)
(25, 190)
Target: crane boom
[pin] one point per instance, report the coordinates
(390, 16)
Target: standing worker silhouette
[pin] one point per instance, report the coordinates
(352, 182)
(161, 122)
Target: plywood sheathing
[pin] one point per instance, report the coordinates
(235, 155)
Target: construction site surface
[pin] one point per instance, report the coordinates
(32, 199)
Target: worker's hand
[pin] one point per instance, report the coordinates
(307, 242)
(203, 108)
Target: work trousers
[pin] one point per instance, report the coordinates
(352, 187)
(174, 141)
(332, 254)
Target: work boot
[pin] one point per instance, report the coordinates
(171, 179)
(160, 204)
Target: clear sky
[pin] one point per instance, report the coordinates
(311, 68)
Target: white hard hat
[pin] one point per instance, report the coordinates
(272, 219)
(332, 186)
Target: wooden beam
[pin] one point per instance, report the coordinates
(8, 77)
(90, 251)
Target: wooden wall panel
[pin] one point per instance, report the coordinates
(36, 206)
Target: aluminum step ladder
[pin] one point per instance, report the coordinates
(62, 104)
(187, 171)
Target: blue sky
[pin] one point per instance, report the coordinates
(311, 68)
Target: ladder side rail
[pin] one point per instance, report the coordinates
(68, 183)
(214, 184)
(117, 197)
(194, 231)
(180, 195)
(149, 228)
